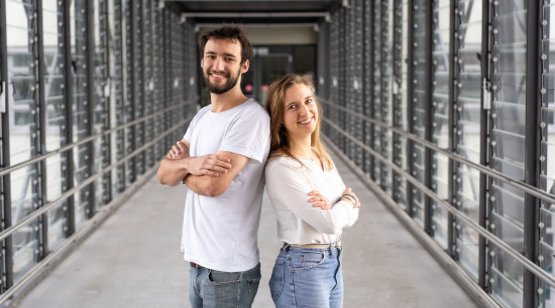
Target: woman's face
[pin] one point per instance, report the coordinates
(300, 113)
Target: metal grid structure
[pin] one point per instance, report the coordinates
(457, 128)
(86, 113)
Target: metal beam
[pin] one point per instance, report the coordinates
(410, 99)
(453, 65)
(532, 141)
(68, 112)
(6, 258)
(325, 15)
(91, 101)
(41, 142)
(485, 129)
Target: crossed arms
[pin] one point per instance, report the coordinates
(208, 175)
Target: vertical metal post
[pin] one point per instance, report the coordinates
(532, 141)
(484, 138)
(68, 110)
(396, 67)
(139, 80)
(428, 29)
(451, 240)
(91, 101)
(6, 258)
(410, 99)
(369, 84)
(129, 109)
(106, 140)
(120, 88)
(41, 138)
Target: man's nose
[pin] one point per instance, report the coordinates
(218, 64)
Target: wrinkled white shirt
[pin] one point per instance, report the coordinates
(288, 184)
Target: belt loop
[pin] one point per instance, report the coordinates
(285, 247)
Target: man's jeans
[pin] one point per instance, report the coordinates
(307, 277)
(210, 288)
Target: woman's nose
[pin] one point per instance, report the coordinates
(303, 110)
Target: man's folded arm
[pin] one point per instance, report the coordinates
(172, 168)
(216, 185)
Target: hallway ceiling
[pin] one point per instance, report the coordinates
(255, 11)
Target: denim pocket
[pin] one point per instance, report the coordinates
(308, 259)
(277, 280)
(223, 278)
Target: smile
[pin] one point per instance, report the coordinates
(218, 75)
(306, 122)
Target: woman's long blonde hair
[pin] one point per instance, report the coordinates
(275, 104)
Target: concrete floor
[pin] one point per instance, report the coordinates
(133, 260)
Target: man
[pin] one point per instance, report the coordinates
(221, 160)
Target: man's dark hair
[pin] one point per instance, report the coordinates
(229, 32)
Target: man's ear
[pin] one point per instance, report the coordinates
(202, 63)
(245, 66)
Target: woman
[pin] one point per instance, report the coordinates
(311, 201)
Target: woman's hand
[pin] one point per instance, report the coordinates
(318, 200)
(350, 196)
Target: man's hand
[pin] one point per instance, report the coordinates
(211, 165)
(318, 200)
(178, 151)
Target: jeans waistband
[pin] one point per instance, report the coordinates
(314, 246)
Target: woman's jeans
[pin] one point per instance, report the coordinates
(211, 288)
(307, 277)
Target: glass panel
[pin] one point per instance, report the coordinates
(507, 143)
(385, 95)
(506, 290)
(440, 114)
(22, 102)
(101, 120)
(80, 107)
(55, 116)
(116, 94)
(420, 99)
(547, 152)
(466, 187)
(399, 91)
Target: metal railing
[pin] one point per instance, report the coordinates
(531, 266)
(101, 213)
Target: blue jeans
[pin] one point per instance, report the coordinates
(307, 277)
(210, 288)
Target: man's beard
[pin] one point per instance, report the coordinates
(231, 82)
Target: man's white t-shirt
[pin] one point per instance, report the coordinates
(220, 232)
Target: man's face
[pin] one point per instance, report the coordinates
(221, 65)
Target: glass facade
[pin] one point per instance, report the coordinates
(431, 99)
(85, 117)
(446, 129)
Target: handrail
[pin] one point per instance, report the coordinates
(103, 212)
(10, 230)
(538, 193)
(49, 154)
(538, 271)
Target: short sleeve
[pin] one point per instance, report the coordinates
(249, 135)
(193, 123)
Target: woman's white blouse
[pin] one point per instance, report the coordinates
(288, 184)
